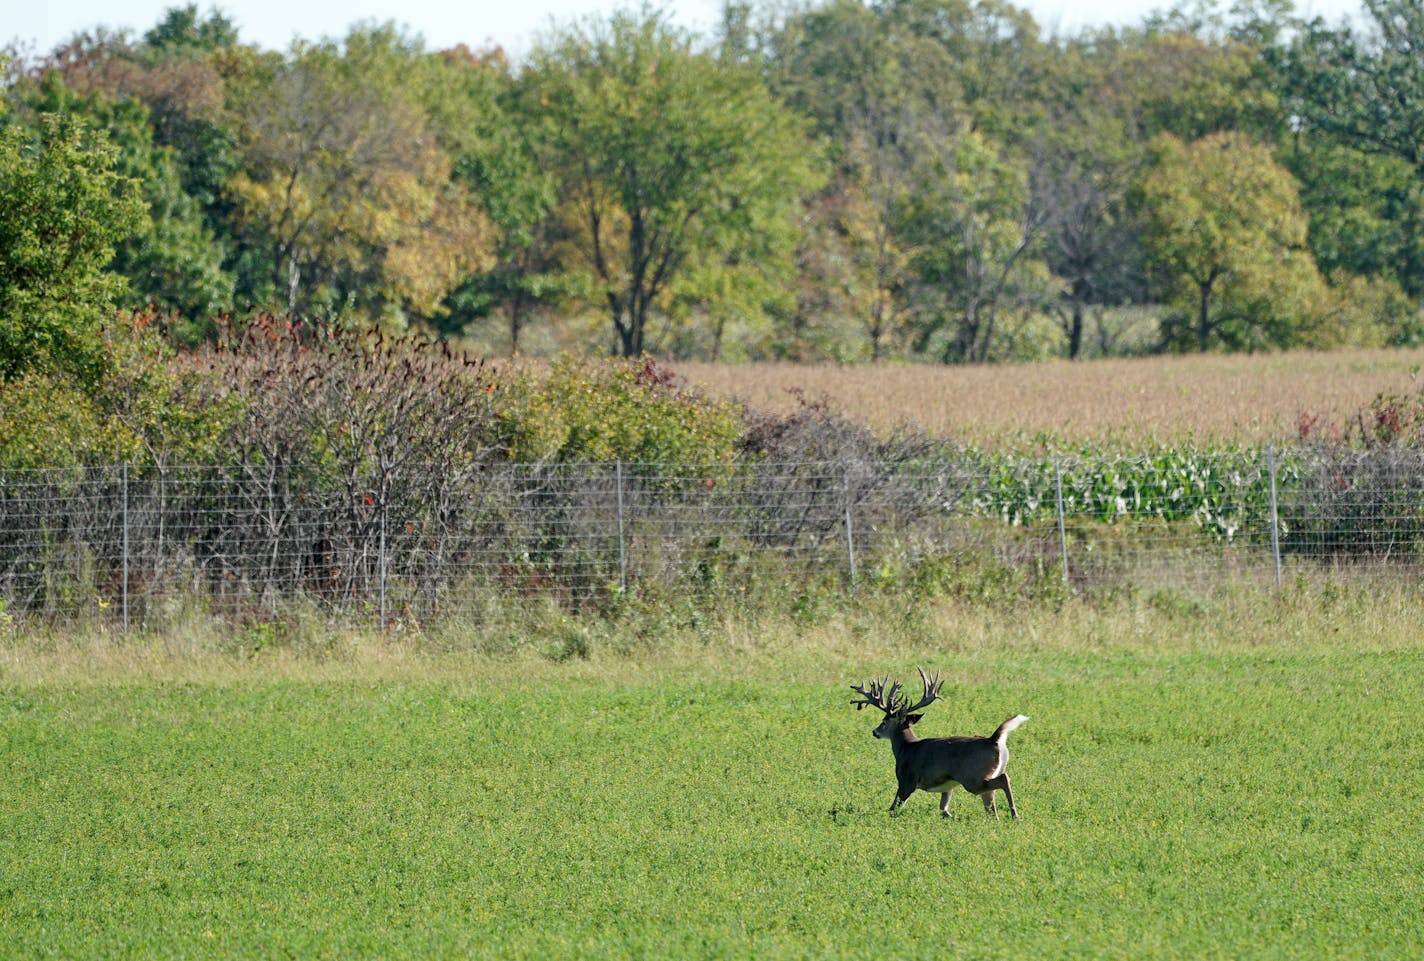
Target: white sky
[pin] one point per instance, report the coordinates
(512, 24)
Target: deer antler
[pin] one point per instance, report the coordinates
(932, 686)
(873, 694)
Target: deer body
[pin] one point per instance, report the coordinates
(937, 764)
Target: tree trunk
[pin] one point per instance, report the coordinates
(516, 320)
(1075, 321)
(630, 323)
(1204, 316)
(877, 327)
(294, 280)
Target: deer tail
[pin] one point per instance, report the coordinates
(1003, 730)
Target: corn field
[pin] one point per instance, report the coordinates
(127, 547)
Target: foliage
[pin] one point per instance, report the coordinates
(891, 92)
(1357, 88)
(1370, 310)
(1226, 236)
(164, 101)
(148, 409)
(931, 209)
(66, 209)
(1363, 84)
(502, 169)
(1364, 211)
(348, 405)
(172, 261)
(935, 180)
(1191, 86)
(657, 180)
(1213, 490)
(1081, 175)
(636, 410)
(346, 182)
(46, 420)
(975, 236)
(999, 59)
(354, 404)
(182, 30)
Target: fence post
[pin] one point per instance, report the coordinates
(124, 602)
(1275, 515)
(381, 559)
(622, 548)
(849, 527)
(1062, 526)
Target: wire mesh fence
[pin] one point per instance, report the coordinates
(128, 547)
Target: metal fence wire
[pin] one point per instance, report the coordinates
(130, 547)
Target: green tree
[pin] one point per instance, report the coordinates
(346, 183)
(66, 209)
(1000, 62)
(182, 30)
(1226, 236)
(1180, 82)
(930, 107)
(501, 166)
(171, 260)
(188, 67)
(976, 230)
(1365, 214)
(1082, 169)
(1361, 88)
(1364, 86)
(670, 162)
(155, 103)
(180, 71)
(827, 63)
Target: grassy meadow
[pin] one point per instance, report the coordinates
(1205, 398)
(1226, 779)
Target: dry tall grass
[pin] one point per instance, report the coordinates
(851, 643)
(1208, 399)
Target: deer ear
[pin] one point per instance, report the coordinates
(913, 719)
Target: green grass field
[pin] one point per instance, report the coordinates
(1234, 781)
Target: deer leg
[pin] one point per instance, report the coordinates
(944, 802)
(988, 798)
(1002, 783)
(1013, 811)
(903, 789)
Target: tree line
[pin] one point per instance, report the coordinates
(843, 180)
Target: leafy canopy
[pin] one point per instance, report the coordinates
(66, 209)
(1226, 236)
(657, 175)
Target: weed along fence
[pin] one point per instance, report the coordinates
(132, 548)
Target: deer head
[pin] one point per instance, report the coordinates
(899, 712)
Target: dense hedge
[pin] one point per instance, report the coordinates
(272, 390)
(318, 411)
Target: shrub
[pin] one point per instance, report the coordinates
(149, 408)
(46, 421)
(580, 411)
(349, 403)
(1363, 494)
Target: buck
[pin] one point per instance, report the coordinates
(938, 763)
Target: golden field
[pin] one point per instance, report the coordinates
(1209, 399)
